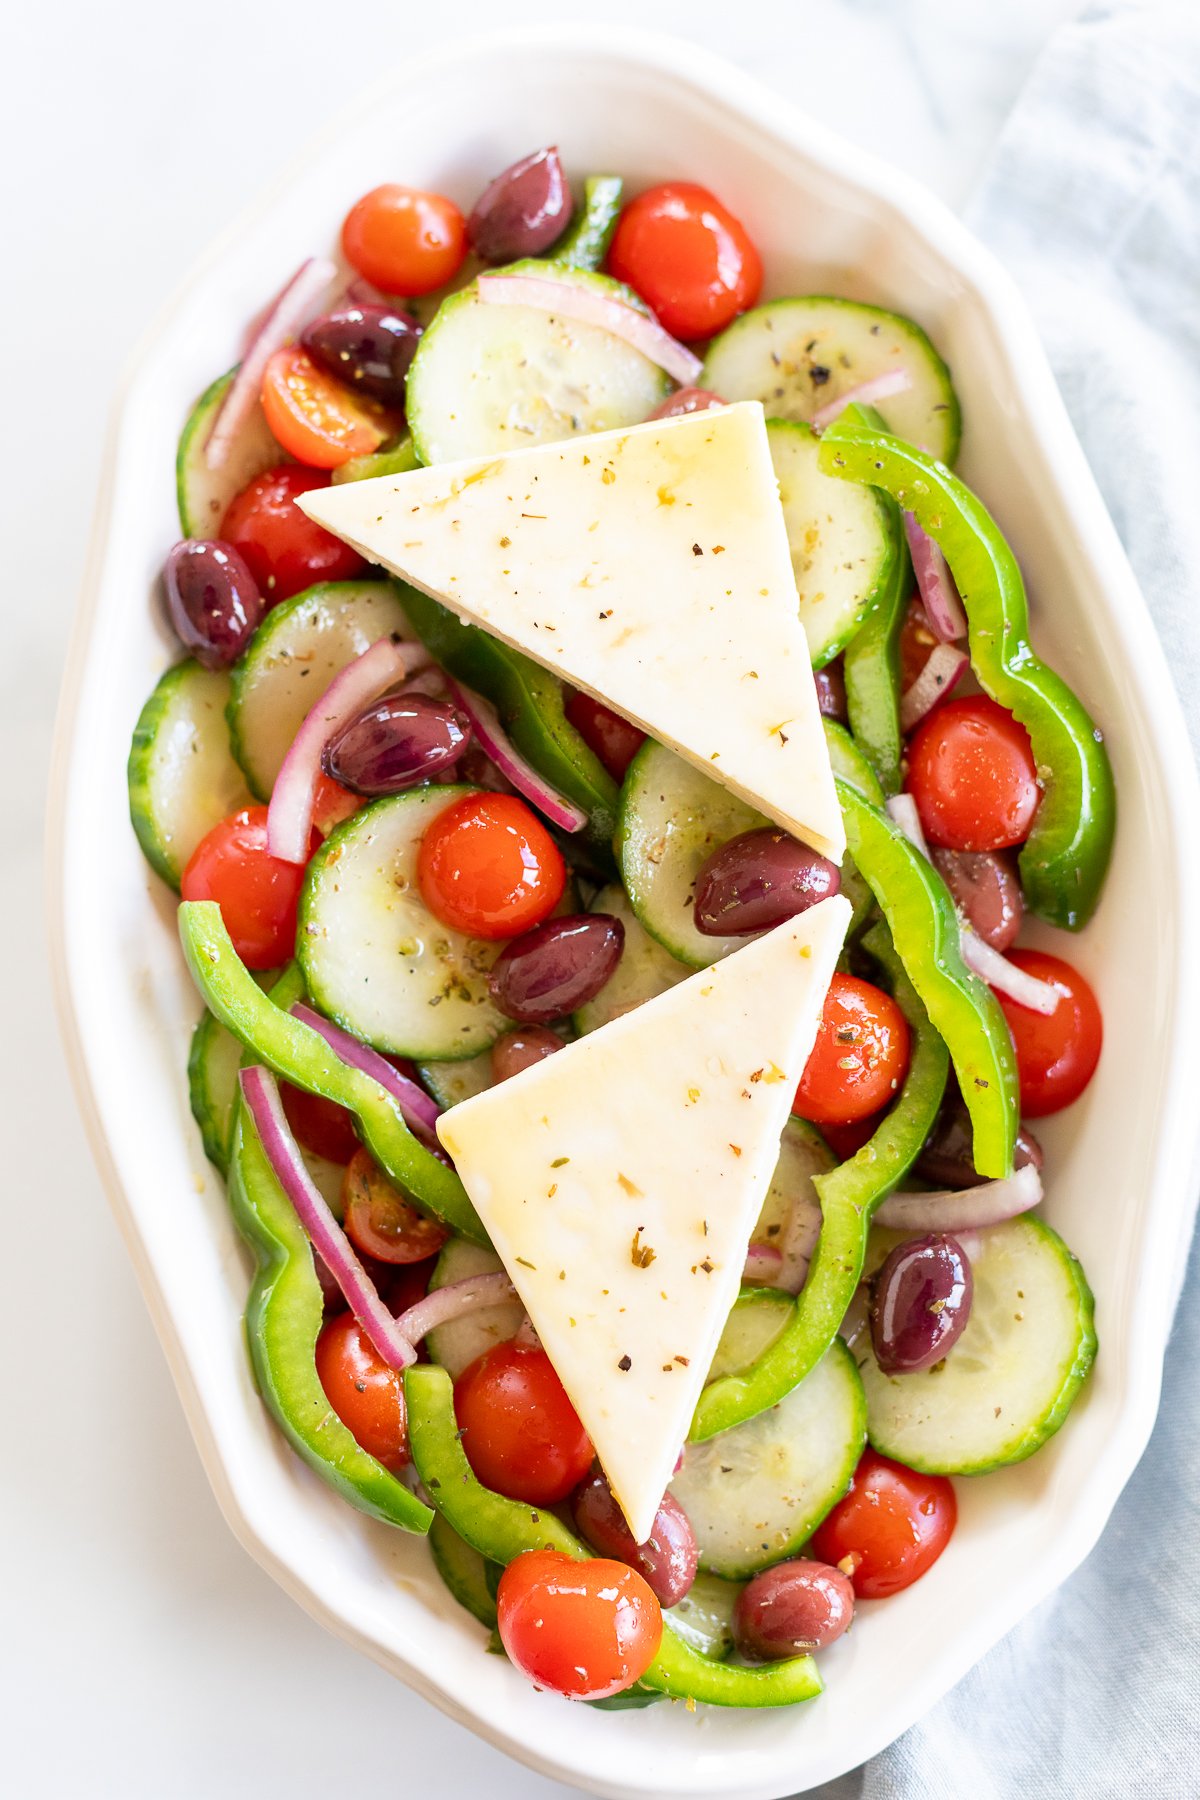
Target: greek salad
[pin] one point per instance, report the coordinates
(605, 780)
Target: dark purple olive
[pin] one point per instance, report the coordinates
(792, 1609)
(920, 1303)
(831, 691)
(396, 741)
(668, 1558)
(523, 211)
(367, 347)
(556, 967)
(947, 1159)
(212, 600)
(757, 880)
(520, 1049)
(686, 400)
(985, 887)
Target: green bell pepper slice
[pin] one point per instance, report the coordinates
(585, 243)
(300, 1055)
(871, 666)
(501, 1529)
(1065, 857)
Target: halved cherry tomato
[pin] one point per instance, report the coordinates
(403, 240)
(487, 866)
(363, 1390)
(688, 256)
(520, 1432)
(380, 1221)
(972, 774)
(315, 418)
(257, 893)
(285, 551)
(333, 803)
(1057, 1052)
(321, 1125)
(860, 1056)
(582, 1629)
(607, 735)
(889, 1529)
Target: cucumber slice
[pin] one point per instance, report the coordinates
(463, 1570)
(450, 1082)
(492, 378)
(704, 1617)
(373, 956)
(843, 556)
(645, 968)
(457, 1344)
(797, 355)
(291, 659)
(803, 1153)
(213, 1064)
(182, 776)
(756, 1493)
(204, 494)
(1014, 1374)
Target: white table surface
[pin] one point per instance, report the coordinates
(143, 1654)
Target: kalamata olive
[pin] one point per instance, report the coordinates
(920, 1303)
(757, 880)
(523, 211)
(791, 1609)
(520, 1049)
(212, 600)
(831, 691)
(368, 347)
(556, 967)
(668, 1558)
(947, 1159)
(985, 886)
(396, 741)
(686, 400)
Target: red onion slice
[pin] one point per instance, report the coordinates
(588, 307)
(290, 814)
(261, 1094)
(902, 811)
(763, 1263)
(939, 595)
(944, 669)
(292, 308)
(963, 1209)
(454, 1301)
(879, 387)
(420, 1112)
(496, 743)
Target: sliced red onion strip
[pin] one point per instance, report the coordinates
(963, 1209)
(496, 743)
(420, 1112)
(360, 292)
(902, 810)
(944, 669)
(261, 1094)
(290, 814)
(588, 307)
(879, 387)
(799, 1240)
(763, 1263)
(454, 1301)
(939, 595)
(292, 308)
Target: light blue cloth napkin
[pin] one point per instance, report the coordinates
(1092, 200)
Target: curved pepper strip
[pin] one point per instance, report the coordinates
(300, 1055)
(502, 1529)
(871, 666)
(848, 761)
(849, 1195)
(586, 241)
(284, 1314)
(1065, 856)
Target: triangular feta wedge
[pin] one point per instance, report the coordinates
(620, 1180)
(649, 566)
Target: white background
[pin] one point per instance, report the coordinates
(142, 1653)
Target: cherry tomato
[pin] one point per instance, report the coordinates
(319, 1124)
(607, 735)
(405, 241)
(363, 1390)
(581, 1629)
(1057, 1052)
(284, 550)
(860, 1056)
(688, 257)
(847, 1140)
(520, 1432)
(333, 803)
(380, 1221)
(889, 1529)
(487, 866)
(972, 775)
(314, 417)
(257, 893)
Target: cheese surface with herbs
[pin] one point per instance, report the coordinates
(620, 1180)
(649, 567)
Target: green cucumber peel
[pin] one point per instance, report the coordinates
(584, 245)
(871, 668)
(847, 760)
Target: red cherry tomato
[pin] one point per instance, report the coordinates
(520, 1432)
(403, 240)
(889, 1529)
(284, 550)
(363, 1390)
(582, 1629)
(847, 1140)
(1057, 1052)
(380, 1221)
(688, 257)
(607, 735)
(487, 866)
(972, 774)
(314, 417)
(319, 1124)
(332, 803)
(860, 1056)
(258, 893)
